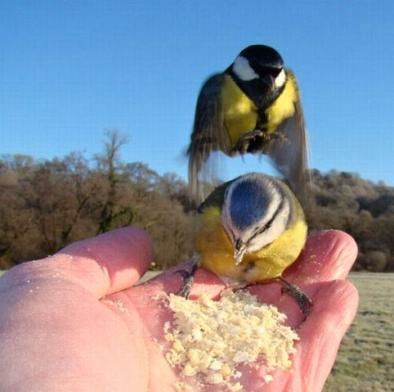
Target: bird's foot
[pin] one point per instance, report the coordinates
(247, 141)
(303, 300)
(188, 278)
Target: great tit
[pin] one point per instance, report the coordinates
(253, 106)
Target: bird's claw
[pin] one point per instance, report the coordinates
(187, 282)
(303, 300)
(187, 279)
(247, 139)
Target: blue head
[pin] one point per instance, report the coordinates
(256, 210)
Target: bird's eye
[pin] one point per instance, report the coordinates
(238, 244)
(256, 232)
(259, 230)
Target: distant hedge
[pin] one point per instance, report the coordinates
(44, 205)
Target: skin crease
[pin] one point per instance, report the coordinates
(74, 321)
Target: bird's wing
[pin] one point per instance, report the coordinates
(209, 134)
(289, 151)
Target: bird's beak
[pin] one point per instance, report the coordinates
(239, 251)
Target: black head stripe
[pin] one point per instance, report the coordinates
(269, 223)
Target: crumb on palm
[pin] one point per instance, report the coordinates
(208, 338)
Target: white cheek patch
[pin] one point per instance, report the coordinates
(243, 70)
(271, 234)
(280, 79)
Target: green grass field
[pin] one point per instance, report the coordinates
(366, 358)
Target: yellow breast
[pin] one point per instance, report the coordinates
(216, 250)
(239, 111)
(283, 106)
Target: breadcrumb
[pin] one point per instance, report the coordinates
(210, 338)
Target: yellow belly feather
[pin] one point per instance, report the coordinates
(283, 106)
(240, 113)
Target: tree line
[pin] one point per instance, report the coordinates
(44, 205)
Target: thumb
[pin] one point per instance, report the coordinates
(102, 265)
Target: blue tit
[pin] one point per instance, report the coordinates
(250, 230)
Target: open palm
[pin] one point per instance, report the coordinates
(78, 321)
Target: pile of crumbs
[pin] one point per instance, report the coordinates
(208, 338)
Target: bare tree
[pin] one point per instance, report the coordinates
(110, 165)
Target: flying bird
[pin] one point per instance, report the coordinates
(253, 106)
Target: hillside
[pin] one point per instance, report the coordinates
(44, 205)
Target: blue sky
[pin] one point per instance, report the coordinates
(70, 69)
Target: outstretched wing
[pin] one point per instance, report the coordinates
(209, 134)
(289, 151)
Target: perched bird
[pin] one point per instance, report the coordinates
(253, 106)
(251, 229)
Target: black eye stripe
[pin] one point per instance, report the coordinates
(269, 223)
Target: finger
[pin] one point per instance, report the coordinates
(328, 255)
(112, 261)
(320, 336)
(102, 265)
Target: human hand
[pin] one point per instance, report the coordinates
(76, 321)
